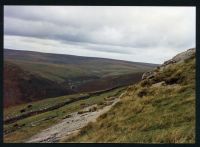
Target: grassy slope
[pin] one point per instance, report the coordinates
(37, 105)
(61, 72)
(165, 114)
(69, 67)
(21, 86)
(47, 75)
(28, 130)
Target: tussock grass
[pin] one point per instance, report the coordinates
(164, 114)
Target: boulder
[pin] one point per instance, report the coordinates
(180, 57)
(148, 75)
(176, 59)
(169, 62)
(184, 55)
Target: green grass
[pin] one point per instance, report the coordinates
(48, 102)
(61, 72)
(21, 134)
(164, 114)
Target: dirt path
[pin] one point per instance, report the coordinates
(70, 125)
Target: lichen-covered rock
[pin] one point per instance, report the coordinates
(168, 62)
(176, 59)
(145, 75)
(148, 75)
(184, 55)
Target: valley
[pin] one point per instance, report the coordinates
(60, 75)
(159, 109)
(105, 73)
(22, 129)
(158, 105)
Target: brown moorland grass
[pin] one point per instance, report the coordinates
(162, 114)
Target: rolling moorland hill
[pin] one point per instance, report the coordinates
(159, 109)
(30, 76)
(22, 86)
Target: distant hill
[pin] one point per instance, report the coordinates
(34, 75)
(22, 86)
(159, 109)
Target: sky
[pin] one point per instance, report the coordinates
(132, 33)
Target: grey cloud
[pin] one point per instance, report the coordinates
(105, 29)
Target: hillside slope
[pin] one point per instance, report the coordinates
(21, 86)
(34, 75)
(159, 109)
(69, 68)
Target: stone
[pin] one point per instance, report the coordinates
(180, 57)
(176, 59)
(148, 75)
(162, 83)
(184, 55)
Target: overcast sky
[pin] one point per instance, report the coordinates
(143, 34)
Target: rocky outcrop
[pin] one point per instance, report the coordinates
(148, 75)
(171, 61)
(176, 59)
(181, 57)
(184, 55)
